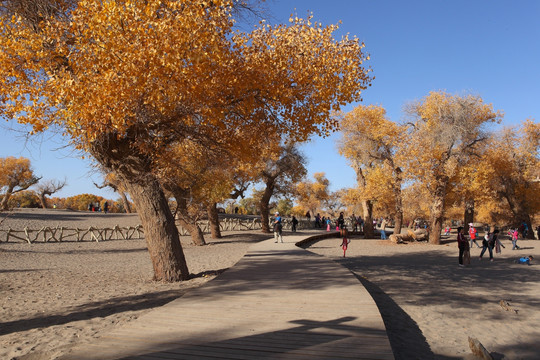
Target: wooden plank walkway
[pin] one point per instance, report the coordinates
(278, 302)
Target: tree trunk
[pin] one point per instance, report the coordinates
(160, 230)
(197, 236)
(398, 224)
(185, 219)
(5, 199)
(436, 222)
(436, 219)
(125, 201)
(367, 206)
(437, 210)
(518, 208)
(43, 201)
(468, 216)
(213, 219)
(264, 206)
(134, 169)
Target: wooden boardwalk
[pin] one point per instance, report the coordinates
(278, 302)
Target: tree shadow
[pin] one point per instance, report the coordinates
(94, 310)
(239, 238)
(405, 336)
(309, 339)
(433, 278)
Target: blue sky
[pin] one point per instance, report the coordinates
(490, 48)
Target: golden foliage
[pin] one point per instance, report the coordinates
(511, 173)
(158, 69)
(311, 195)
(447, 130)
(16, 172)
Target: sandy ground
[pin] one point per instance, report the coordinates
(54, 295)
(431, 306)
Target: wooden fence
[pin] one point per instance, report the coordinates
(59, 233)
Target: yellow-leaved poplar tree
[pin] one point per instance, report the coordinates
(370, 142)
(16, 175)
(126, 79)
(311, 195)
(513, 175)
(445, 132)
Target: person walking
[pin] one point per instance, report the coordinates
(294, 222)
(463, 245)
(341, 221)
(488, 244)
(514, 234)
(383, 229)
(278, 228)
(472, 235)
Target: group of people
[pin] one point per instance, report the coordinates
(489, 242)
(339, 223)
(96, 207)
(323, 221)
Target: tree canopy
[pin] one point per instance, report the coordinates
(127, 79)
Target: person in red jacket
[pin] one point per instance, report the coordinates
(472, 235)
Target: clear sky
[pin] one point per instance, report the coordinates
(490, 48)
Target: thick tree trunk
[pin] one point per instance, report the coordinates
(437, 210)
(160, 230)
(367, 208)
(125, 201)
(135, 171)
(436, 222)
(468, 216)
(398, 223)
(213, 219)
(264, 207)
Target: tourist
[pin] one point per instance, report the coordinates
(447, 230)
(294, 223)
(463, 246)
(341, 221)
(489, 243)
(525, 260)
(472, 235)
(278, 228)
(514, 235)
(383, 229)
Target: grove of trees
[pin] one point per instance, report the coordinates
(181, 109)
(129, 82)
(441, 159)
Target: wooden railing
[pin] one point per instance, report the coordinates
(59, 233)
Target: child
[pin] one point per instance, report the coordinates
(514, 239)
(525, 260)
(447, 230)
